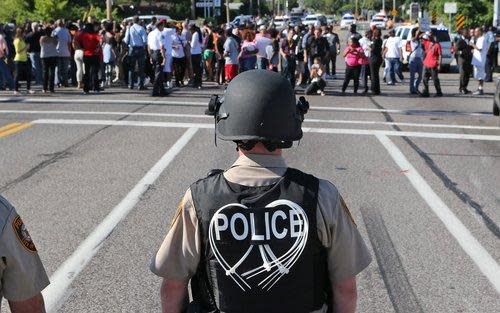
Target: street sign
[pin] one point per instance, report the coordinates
(205, 4)
(450, 7)
(459, 21)
(424, 24)
(394, 12)
(414, 11)
(217, 3)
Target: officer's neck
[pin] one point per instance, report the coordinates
(259, 148)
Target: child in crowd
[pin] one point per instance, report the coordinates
(318, 82)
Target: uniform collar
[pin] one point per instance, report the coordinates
(256, 170)
(260, 160)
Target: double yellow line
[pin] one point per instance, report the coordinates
(13, 128)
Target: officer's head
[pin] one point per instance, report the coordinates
(259, 109)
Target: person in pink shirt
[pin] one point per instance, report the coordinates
(354, 58)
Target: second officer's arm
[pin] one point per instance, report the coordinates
(178, 257)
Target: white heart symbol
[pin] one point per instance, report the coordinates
(282, 264)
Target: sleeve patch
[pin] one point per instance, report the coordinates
(23, 234)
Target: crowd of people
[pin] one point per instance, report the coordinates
(93, 56)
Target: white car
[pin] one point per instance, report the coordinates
(279, 21)
(442, 35)
(315, 20)
(347, 20)
(378, 21)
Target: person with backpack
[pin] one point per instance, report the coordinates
(415, 60)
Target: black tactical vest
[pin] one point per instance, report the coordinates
(260, 248)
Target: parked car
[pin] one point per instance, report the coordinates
(331, 20)
(280, 21)
(496, 99)
(347, 20)
(442, 35)
(148, 18)
(378, 21)
(315, 19)
(241, 20)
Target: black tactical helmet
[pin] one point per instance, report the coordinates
(259, 105)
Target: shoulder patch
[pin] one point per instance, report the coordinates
(22, 234)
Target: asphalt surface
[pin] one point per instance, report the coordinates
(81, 157)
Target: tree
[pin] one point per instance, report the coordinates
(14, 10)
(477, 12)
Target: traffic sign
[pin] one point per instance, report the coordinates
(450, 7)
(394, 12)
(434, 17)
(414, 10)
(205, 4)
(459, 21)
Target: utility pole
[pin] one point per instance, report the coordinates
(109, 4)
(227, 12)
(356, 9)
(496, 12)
(383, 6)
(258, 7)
(251, 7)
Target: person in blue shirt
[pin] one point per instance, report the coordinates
(136, 39)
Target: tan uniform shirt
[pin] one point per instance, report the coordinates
(179, 254)
(22, 275)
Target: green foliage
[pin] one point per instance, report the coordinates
(50, 9)
(14, 9)
(477, 12)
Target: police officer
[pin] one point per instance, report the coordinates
(260, 236)
(22, 276)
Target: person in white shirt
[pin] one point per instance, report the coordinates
(393, 54)
(196, 50)
(262, 40)
(178, 56)
(157, 57)
(480, 46)
(167, 34)
(416, 60)
(366, 43)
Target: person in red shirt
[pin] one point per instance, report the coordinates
(90, 42)
(432, 65)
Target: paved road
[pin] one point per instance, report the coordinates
(98, 178)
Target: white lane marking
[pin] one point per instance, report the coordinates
(60, 281)
(309, 120)
(205, 103)
(123, 123)
(487, 265)
(398, 111)
(100, 100)
(346, 131)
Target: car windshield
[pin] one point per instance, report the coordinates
(377, 20)
(441, 35)
(311, 18)
(348, 18)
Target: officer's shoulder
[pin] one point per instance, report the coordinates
(210, 175)
(328, 190)
(6, 209)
